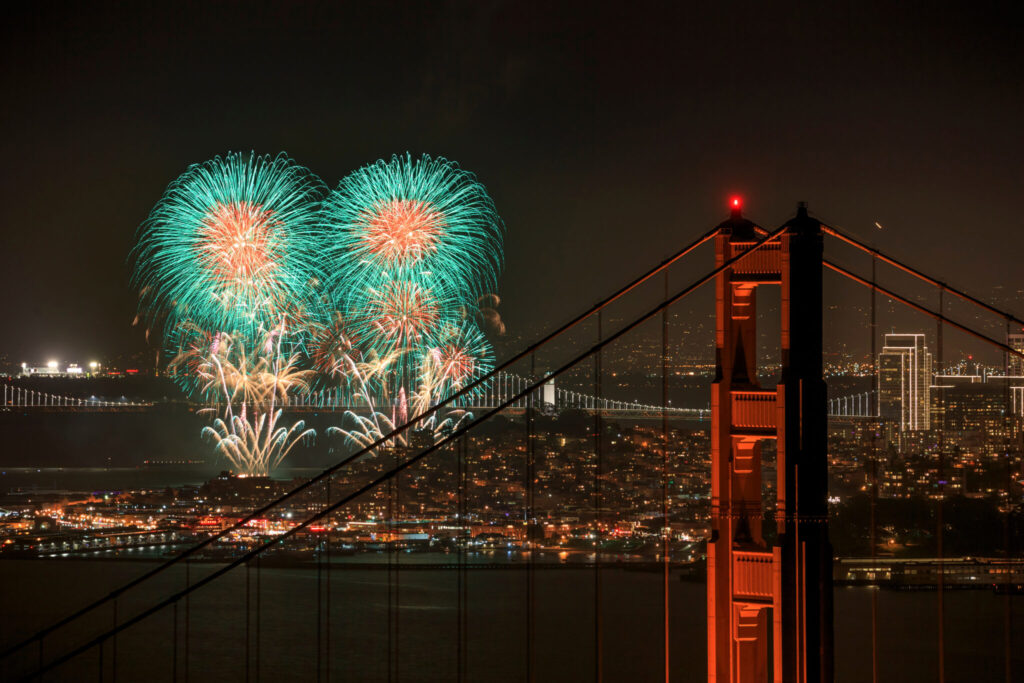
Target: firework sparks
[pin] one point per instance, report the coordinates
(403, 313)
(230, 244)
(240, 246)
(461, 356)
(224, 264)
(362, 432)
(249, 435)
(400, 232)
(256, 447)
(410, 218)
(410, 247)
(262, 283)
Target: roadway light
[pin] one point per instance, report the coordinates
(51, 364)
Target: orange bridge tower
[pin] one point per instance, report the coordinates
(769, 606)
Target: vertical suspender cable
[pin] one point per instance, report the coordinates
(464, 550)
(460, 537)
(531, 407)
(876, 425)
(174, 648)
(391, 562)
(665, 527)
(259, 614)
(113, 644)
(398, 560)
(327, 624)
(319, 600)
(1012, 424)
(940, 594)
(598, 452)
(188, 614)
(248, 618)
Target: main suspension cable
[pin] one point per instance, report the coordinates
(922, 309)
(829, 230)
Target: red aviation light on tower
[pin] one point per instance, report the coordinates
(735, 206)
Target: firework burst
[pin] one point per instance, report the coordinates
(402, 313)
(401, 232)
(461, 356)
(229, 245)
(256, 447)
(224, 264)
(410, 246)
(250, 382)
(262, 283)
(361, 432)
(334, 349)
(408, 218)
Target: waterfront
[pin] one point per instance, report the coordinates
(15, 480)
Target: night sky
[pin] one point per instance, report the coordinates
(607, 138)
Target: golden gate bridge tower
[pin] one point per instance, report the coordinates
(769, 606)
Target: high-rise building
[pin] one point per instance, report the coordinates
(904, 381)
(1015, 340)
(972, 411)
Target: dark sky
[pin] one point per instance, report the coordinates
(607, 138)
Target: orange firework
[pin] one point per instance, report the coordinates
(461, 355)
(401, 232)
(455, 363)
(239, 246)
(333, 348)
(403, 312)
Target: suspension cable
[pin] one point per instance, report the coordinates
(917, 273)
(922, 309)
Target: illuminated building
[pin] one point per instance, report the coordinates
(49, 369)
(904, 381)
(973, 410)
(1016, 363)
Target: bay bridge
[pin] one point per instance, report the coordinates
(501, 388)
(860, 404)
(25, 398)
(768, 604)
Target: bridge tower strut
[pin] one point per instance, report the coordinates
(769, 606)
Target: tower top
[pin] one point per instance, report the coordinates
(739, 227)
